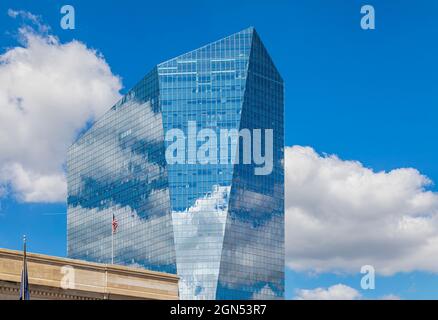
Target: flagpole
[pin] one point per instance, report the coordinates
(24, 251)
(113, 231)
(24, 285)
(24, 248)
(112, 246)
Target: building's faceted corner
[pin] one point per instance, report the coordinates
(252, 264)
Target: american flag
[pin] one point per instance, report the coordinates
(114, 224)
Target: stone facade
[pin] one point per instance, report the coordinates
(54, 278)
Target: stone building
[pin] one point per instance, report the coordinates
(55, 278)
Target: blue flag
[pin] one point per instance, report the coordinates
(24, 286)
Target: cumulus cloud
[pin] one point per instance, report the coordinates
(335, 292)
(33, 187)
(48, 91)
(341, 215)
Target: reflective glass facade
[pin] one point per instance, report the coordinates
(218, 225)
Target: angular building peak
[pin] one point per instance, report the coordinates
(214, 47)
(262, 58)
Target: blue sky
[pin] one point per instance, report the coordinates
(368, 96)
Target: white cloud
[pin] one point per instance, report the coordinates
(32, 18)
(48, 92)
(335, 292)
(34, 187)
(341, 215)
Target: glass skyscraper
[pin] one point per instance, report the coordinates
(216, 223)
